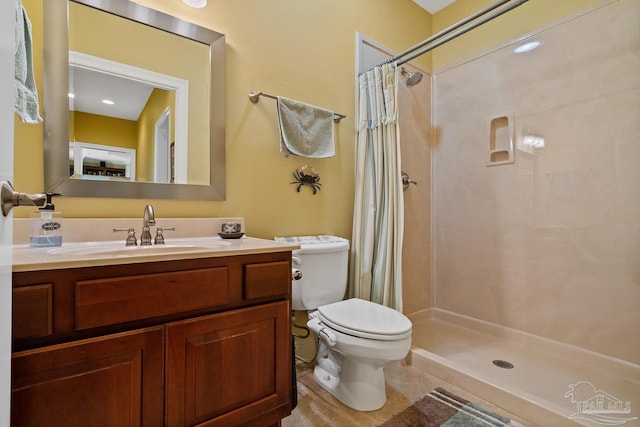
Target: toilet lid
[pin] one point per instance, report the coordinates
(365, 319)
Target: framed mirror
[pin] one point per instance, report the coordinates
(106, 51)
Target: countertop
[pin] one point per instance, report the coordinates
(88, 254)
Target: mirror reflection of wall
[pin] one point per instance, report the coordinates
(134, 125)
(138, 84)
(132, 36)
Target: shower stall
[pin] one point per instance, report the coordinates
(533, 295)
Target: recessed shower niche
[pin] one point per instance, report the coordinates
(501, 136)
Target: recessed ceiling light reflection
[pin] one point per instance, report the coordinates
(196, 3)
(107, 101)
(527, 47)
(71, 95)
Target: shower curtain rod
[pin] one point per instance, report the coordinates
(450, 32)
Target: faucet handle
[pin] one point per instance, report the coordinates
(131, 236)
(159, 239)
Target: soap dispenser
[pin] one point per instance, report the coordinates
(46, 226)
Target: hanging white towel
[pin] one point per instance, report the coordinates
(26, 97)
(305, 130)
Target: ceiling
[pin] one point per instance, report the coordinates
(432, 6)
(90, 87)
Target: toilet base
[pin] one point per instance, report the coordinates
(359, 384)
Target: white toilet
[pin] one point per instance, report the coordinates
(356, 337)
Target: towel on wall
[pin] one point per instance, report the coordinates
(305, 130)
(26, 97)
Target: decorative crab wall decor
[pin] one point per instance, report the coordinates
(307, 175)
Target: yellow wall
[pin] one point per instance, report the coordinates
(301, 49)
(158, 102)
(96, 129)
(515, 23)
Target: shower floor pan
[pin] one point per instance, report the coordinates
(462, 350)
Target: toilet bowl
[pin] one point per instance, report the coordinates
(357, 338)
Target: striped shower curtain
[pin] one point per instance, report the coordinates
(376, 255)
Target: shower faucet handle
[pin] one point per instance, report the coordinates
(406, 181)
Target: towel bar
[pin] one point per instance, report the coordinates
(255, 97)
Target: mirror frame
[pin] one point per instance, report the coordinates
(56, 106)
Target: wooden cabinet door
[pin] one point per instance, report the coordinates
(230, 368)
(115, 380)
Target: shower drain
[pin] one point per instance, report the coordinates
(503, 364)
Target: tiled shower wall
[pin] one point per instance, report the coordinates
(414, 120)
(549, 244)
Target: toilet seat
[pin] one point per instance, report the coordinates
(365, 319)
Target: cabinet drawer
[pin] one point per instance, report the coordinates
(267, 279)
(110, 301)
(32, 311)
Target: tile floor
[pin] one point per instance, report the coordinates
(405, 385)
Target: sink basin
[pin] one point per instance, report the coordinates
(116, 249)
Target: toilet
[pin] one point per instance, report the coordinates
(356, 337)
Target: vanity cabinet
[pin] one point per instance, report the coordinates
(108, 381)
(190, 342)
(224, 367)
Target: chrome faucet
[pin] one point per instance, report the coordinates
(148, 219)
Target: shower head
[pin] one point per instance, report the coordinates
(412, 78)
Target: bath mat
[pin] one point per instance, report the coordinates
(441, 408)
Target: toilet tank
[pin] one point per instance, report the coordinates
(323, 261)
